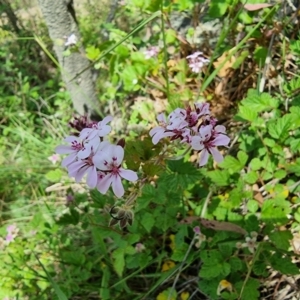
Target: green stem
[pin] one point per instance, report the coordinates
(165, 53)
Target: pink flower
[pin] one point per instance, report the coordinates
(99, 129)
(81, 167)
(202, 109)
(75, 146)
(109, 163)
(71, 40)
(139, 247)
(159, 132)
(174, 128)
(197, 61)
(151, 52)
(12, 232)
(207, 140)
(54, 158)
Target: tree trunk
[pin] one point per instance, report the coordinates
(61, 21)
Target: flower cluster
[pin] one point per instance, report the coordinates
(197, 61)
(91, 155)
(195, 127)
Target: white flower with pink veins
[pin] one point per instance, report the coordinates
(109, 163)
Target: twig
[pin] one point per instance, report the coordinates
(267, 64)
(204, 208)
(181, 266)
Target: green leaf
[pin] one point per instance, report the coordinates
(225, 249)
(259, 102)
(169, 294)
(118, 261)
(210, 271)
(251, 177)
(269, 142)
(283, 264)
(250, 290)
(260, 267)
(255, 164)
(295, 145)
(211, 256)
(180, 175)
(148, 221)
(279, 128)
(252, 206)
(179, 253)
(235, 264)
(154, 5)
(220, 178)
(275, 211)
(243, 157)
(295, 167)
(246, 114)
(54, 175)
(217, 8)
(232, 164)
(260, 54)
(92, 53)
(59, 293)
(281, 239)
(280, 174)
(240, 59)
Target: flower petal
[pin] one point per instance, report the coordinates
(197, 143)
(128, 174)
(117, 186)
(92, 177)
(64, 149)
(205, 132)
(218, 157)
(203, 157)
(221, 140)
(69, 159)
(104, 183)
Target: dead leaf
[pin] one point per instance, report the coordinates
(215, 225)
(226, 226)
(227, 67)
(253, 7)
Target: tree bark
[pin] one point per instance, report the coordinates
(60, 19)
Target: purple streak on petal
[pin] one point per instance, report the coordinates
(71, 139)
(205, 132)
(156, 130)
(74, 167)
(104, 183)
(80, 173)
(84, 152)
(118, 153)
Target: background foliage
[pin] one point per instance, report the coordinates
(246, 208)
